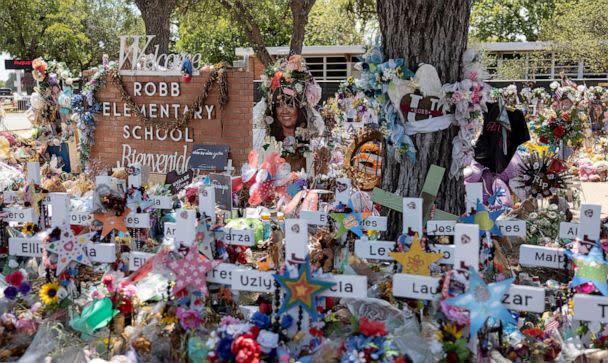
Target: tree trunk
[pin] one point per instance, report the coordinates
(432, 32)
(299, 12)
(157, 19)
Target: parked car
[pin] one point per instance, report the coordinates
(6, 92)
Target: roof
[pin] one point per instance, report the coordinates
(308, 50)
(313, 50)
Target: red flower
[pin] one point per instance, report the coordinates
(315, 332)
(371, 328)
(14, 278)
(556, 166)
(254, 331)
(551, 120)
(566, 116)
(452, 357)
(265, 308)
(247, 350)
(276, 81)
(543, 140)
(559, 132)
(536, 333)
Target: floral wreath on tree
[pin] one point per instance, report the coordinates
(289, 80)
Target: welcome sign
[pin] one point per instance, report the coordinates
(122, 138)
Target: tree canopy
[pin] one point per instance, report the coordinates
(77, 32)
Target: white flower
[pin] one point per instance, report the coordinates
(554, 85)
(356, 357)
(533, 215)
(62, 293)
(551, 215)
(268, 340)
(299, 87)
(13, 264)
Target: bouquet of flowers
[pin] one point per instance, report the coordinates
(557, 126)
(370, 342)
(543, 225)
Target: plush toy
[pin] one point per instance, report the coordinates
(600, 169)
(585, 169)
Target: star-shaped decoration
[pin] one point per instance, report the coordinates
(302, 290)
(486, 219)
(191, 270)
(416, 261)
(590, 268)
(483, 301)
(112, 221)
(69, 248)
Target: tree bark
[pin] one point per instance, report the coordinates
(432, 32)
(299, 12)
(157, 19)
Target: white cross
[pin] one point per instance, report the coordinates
(229, 169)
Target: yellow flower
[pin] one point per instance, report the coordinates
(453, 330)
(48, 293)
(169, 319)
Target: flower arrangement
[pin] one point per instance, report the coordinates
(83, 111)
(557, 126)
(532, 344)
(369, 342)
(543, 225)
(17, 285)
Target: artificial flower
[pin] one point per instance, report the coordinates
(275, 83)
(11, 292)
(14, 278)
(371, 328)
(189, 319)
(268, 340)
(261, 320)
(246, 349)
(49, 293)
(24, 288)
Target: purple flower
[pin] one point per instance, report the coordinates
(24, 288)
(11, 292)
(224, 350)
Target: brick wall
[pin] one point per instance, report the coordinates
(236, 116)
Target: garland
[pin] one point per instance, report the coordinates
(218, 75)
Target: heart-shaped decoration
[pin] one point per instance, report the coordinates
(79, 258)
(69, 246)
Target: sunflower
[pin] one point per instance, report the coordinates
(48, 293)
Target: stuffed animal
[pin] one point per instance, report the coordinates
(585, 169)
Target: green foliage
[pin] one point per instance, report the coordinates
(579, 30)
(66, 30)
(510, 20)
(336, 22)
(205, 26)
(208, 29)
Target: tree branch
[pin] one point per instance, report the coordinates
(242, 16)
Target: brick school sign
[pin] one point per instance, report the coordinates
(121, 137)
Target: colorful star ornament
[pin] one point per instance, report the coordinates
(191, 270)
(349, 221)
(591, 268)
(69, 248)
(112, 221)
(302, 290)
(486, 219)
(416, 261)
(483, 301)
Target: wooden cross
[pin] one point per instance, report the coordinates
(229, 169)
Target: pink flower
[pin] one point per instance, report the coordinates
(129, 291)
(96, 295)
(313, 93)
(108, 281)
(586, 288)
(295, 63)
(189, 319)
(27, 326)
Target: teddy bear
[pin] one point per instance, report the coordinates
(600, 171)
